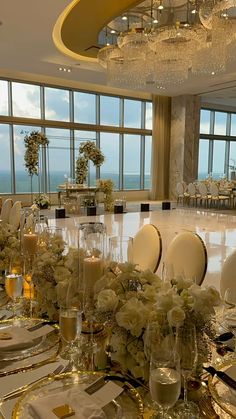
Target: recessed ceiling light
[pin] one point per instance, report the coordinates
(155, 20)
(113, 31)
(213, 73)
(124, 17)
(65, 69)
(160, 7)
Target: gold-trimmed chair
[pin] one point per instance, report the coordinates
(227, 277)
(186, 256)
(147, 248)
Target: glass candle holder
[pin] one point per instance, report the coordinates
(91, 242)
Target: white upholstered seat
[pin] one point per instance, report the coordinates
(147, 248)
(187, 256)
(14, 216)
(5, 212)
(228, 278)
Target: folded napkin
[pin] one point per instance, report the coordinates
(15, 338)
(78, 400)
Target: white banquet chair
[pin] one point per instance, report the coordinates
(15, 215)
(5, 212)
(227, 277)
(147, 248)
(186, 256)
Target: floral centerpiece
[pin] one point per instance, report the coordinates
(137, 298)
(42, 201)
(106, 186)
(87, 151)
(9, 244)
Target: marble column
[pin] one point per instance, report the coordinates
(160, 147)
(184, 141)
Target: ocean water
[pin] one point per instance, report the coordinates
(23, 183)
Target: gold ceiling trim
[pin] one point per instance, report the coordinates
(76, 31)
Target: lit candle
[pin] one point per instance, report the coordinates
(92, 271)
(30, 243)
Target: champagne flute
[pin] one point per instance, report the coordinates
(70, 328)
(186, 345)
(229, 312)
(14, 281)
(164, 381)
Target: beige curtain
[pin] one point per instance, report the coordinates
(160, 147)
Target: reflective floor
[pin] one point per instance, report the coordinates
(216, 229)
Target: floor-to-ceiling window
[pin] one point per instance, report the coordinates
(217, 145)
(120, 126)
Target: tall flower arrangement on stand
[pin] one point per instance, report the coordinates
(106, 186)
(87, 151)
(33, 141)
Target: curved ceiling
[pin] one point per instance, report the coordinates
(76, 31)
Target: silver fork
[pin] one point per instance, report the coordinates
(17, 392)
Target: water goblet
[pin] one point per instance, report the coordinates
(164, 382)
(186, 346)
(70, 323)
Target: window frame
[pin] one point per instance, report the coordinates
(75, 126)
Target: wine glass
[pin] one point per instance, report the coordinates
(121, 249)
(14, 281)
(70, 328)
(186, 345)
(164, 381)
(229, 312)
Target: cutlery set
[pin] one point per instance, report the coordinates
(19, 391)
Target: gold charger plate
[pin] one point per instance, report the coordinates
(221, 393)
(27, 357)
(128, 405)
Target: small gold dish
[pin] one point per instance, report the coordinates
(64, 411)
(5, 336)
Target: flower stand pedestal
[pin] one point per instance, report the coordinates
(60, 213)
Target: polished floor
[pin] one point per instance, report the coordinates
(218, 230)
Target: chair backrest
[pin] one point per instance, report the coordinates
(202, 188)
(179, 188)
(5, 212)
(15, 215)
(214, 190)
(187, 256)
(191, 189)
(147, 248)
(228, 278)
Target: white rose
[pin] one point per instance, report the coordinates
(132, 316)
(149, 293)
(61, 273)
(183, 283)
(214, 296)
(107, 300)
(175, 316)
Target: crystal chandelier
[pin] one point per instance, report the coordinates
(163, 42)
